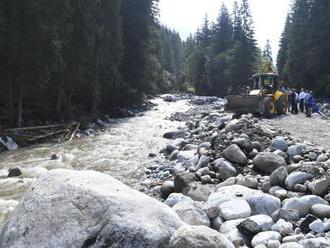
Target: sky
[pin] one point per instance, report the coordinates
(186, 16)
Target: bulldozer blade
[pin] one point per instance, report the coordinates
(244, 104)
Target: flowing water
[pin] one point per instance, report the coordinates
(120, 151)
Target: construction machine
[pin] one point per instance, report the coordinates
(263, 97)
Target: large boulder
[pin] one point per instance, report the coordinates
(268, 162)
(235, 155)
(65, 208)
(198, 237)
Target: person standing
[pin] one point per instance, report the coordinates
(302, 96)
(294, 101)
(309, 101)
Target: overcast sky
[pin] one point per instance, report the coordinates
(186, 16)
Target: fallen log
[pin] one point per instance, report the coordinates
(73, 133)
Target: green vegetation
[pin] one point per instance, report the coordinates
(303, 60)
(66, 58)
(222, 56)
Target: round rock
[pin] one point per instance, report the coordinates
(198, 237)
(321, 211)
(235, 209)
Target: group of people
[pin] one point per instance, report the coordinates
(304, 100)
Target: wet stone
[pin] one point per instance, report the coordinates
(14, 172)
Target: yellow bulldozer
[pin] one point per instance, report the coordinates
(263, 97)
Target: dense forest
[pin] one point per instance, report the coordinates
(68, 58)
(303, 59)
(223, 55)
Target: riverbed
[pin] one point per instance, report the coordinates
(121, 150)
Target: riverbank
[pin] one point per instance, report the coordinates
(249, 179)
(54, 132)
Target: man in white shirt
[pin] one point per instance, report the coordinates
(302, 96)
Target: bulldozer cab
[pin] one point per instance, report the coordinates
(264, 84)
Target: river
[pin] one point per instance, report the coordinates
(121, 151)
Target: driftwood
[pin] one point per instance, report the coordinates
(39, 134)
(38, 127)
(73, 133)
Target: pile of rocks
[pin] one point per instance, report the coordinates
(256, 186)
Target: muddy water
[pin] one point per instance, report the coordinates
(120, 150)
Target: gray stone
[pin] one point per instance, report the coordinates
(273, 244)
(256, 145)
(303, 204)
(322, 158)
(234, 125)
(229, 225)
(174, 135)
(167, 188)
(297, 177)
(315, 243)
(319, 187)
(203, 171)
(206, 179)
(235, 209)
(279, 143)
(300, 188)
(235, 155)
(297, 158)
(225, 168)
(174, 155)
(198, 237)
(317, 226)
(249, 228)
(183, 181)
(321, 211)
(312, 156)
(175, 198)
(216, 223)
(293, 238)
(268, 162)
(244, 144)
(282, 154)
(263, 221)
(248, 181)
(186, 155)
(278, 176)
(191, 213)
(283, 227)
(203, 162)
(295, 150)
(14, 172)
(291, 245)
(67, 208)
(259, 202)
(263, 238)
(290, 215)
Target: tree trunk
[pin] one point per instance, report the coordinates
(11, 100)
(95, 98)
(59, 98)
(19, 103)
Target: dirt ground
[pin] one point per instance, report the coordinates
(314, 130)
